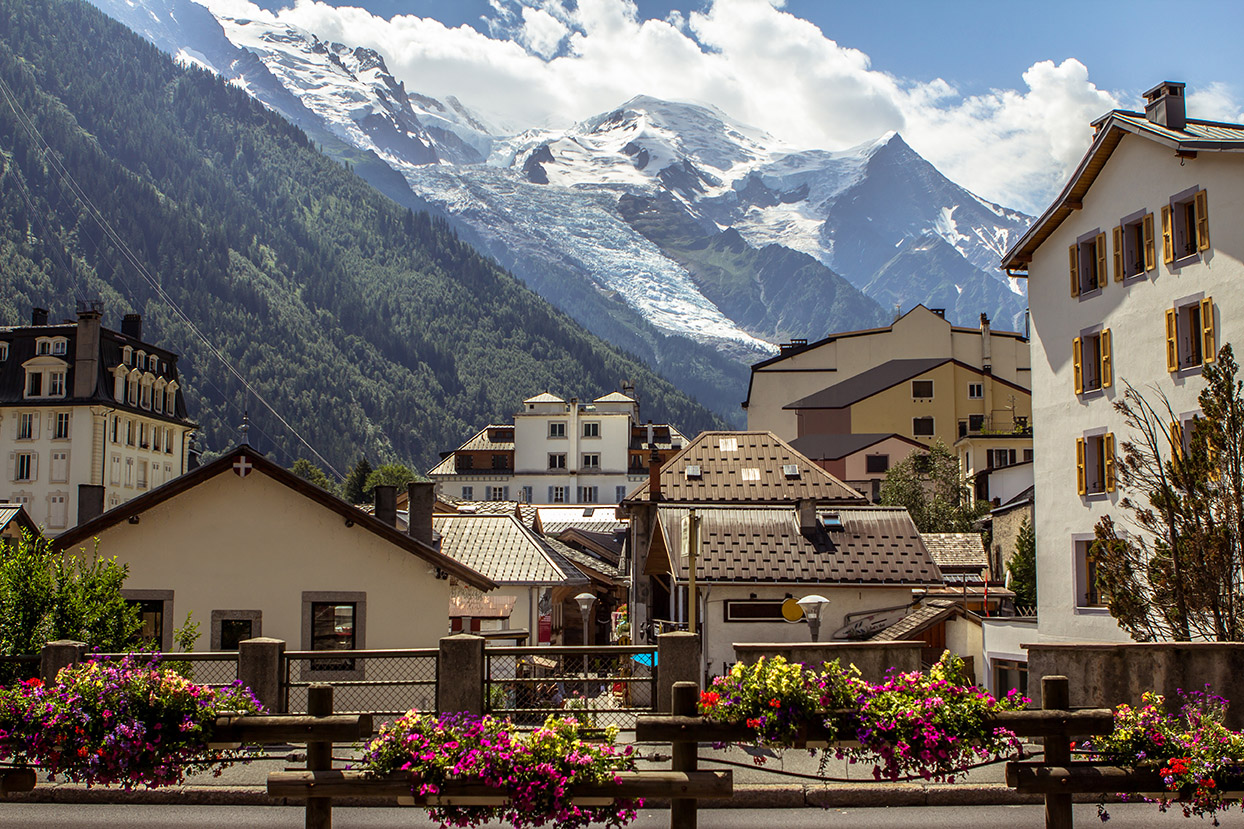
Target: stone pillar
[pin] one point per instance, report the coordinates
(460, 674)
(59, 654)
(261, 667)
(678, 660)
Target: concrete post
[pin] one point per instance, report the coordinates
(678, 660)
(59, 654)
(460, 674)
(261, 667)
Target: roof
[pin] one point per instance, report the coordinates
(224, 465)
(876, 380)
(603, 545)
(503, 550)
(597, 519)
(15, 514)
(1022, 499)
(956, 550)
(929, 613)
(544, 397)
(588, 564)
(481, 606)
(833, 447)
(614, 397)
(481, 442)
(876, 545)
(724, 458)
(1197, 136)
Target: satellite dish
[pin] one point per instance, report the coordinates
(791, 611)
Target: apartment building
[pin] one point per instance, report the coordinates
(89, 417)
(1132, 273)
(559, 451)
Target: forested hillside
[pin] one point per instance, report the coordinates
(370, 328)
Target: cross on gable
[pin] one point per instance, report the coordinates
(242, 467)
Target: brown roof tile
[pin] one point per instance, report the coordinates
(956, 549)
(502, 549)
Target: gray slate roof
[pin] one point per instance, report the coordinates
(867, 383)
(928, 614)
(504, 550)
(833, 447)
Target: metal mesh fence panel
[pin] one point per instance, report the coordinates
(215, 669)
(603, 686)
(386, 683)
(18, 668)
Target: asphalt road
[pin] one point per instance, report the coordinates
(56, 816)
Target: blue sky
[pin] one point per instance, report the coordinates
(997, 94)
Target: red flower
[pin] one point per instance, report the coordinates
(774, 703)
(33, 682)
(709, 698)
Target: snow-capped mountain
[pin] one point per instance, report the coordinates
(655, 219)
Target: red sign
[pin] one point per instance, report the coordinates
(546, 629)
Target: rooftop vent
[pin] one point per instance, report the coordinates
(790, 470)
(831, 522)
(693, 471)
(588, 511)
(728, 444)
(750, 473)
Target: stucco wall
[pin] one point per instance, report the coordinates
(251, 543)
(873, 659)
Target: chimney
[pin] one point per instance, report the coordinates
(38, 316)
(90, 502)
(132, 326)
(386, 503)
(941, 312)
(1164, 105)
(86, 354)
(986, 355)
(420, 501)
(654, 475)
(807, 517)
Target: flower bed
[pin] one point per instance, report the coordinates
(913, 724)
(122, 723)
(533, 771)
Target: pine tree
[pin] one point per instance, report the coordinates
(355, 488)
(1023, 566)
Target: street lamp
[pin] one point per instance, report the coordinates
(585, 600)
(813, 606)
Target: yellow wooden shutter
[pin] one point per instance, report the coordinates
(1202, 221)
(1151, 259)
(1077, 359)
(1177, 439)
(1172, 346)
(1108, 460)
(1099, 247)
(1107, 366)
(1118, 254)
(1208, 349)
(1073, 253)
(1081, 480)
(1168, 242)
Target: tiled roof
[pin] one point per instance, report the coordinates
(583, 560)
(14, 512)
(481, 442)
(604, 544)
(487, 507)
(867, 383)
(544, 397)
(833, 447)
(502, 549)
(876, 545)
(592, 519)
(929, 613)
(744, 467)
(614, 397)
(956, 549)
(1019, 500)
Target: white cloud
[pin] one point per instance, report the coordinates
(1215, 102)
(553, 62)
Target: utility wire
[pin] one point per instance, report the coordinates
(80, 195)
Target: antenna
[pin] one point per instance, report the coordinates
(245, 428)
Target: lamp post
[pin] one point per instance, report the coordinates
(585, 600)
(813, 606)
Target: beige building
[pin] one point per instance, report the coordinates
(987, 369)
(1133, 274)
(251, 549)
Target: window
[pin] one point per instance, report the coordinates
(528, 495)
(43, 346)
(4, 352)
(557, 495)
(591, 460)
(591, 429)
(127, 354)
(468, 493)
(876, 464)
(131, 396)
(921, 388)
(1000, 457)
(129, 432)
(142, 474)
(145, 400)
(557, 460)
(1027, 455)
(62, 426)
(619, 493)
(1133, 248)
(1088, 592)
(56, 384)
(157, 438)
(1088, 264)
(922, 426)
(58, 510)
(1091, 355)
(1095, 464)
(142, 436)
(587, 495)
(129, 471)
(155, 611)
(1185, 226)
(500, 461)
(1190, 337)
(59, 346)
(25, 467)
(115, 477)
(557, 429)
(60, 467)
(27, 426)
(34, 384)
(498, 493)
(976, 391)
(752, 610)
(170, 401)
(333, 621)
(116, 423)
(229, 627)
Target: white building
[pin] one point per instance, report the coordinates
(89, 417)
(558, 452)
(1132, 275)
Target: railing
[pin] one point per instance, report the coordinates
(216, 669)
(608, 685)
(18, 667)
(386, 683)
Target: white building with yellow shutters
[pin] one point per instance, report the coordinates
(1133, 278)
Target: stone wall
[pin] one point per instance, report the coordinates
(872, 658)
(1104, 675)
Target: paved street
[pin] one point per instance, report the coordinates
(52, 816)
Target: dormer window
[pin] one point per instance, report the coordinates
(127, 354)
(145, 399)
(4, 352)
(34, 384)
(43, 346)
(131, 396)
(60, 345)
(56, 384)
(140, 360)
(170, 401)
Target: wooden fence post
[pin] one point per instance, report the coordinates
(1056, 694)
(684, 755)
(319, 757)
